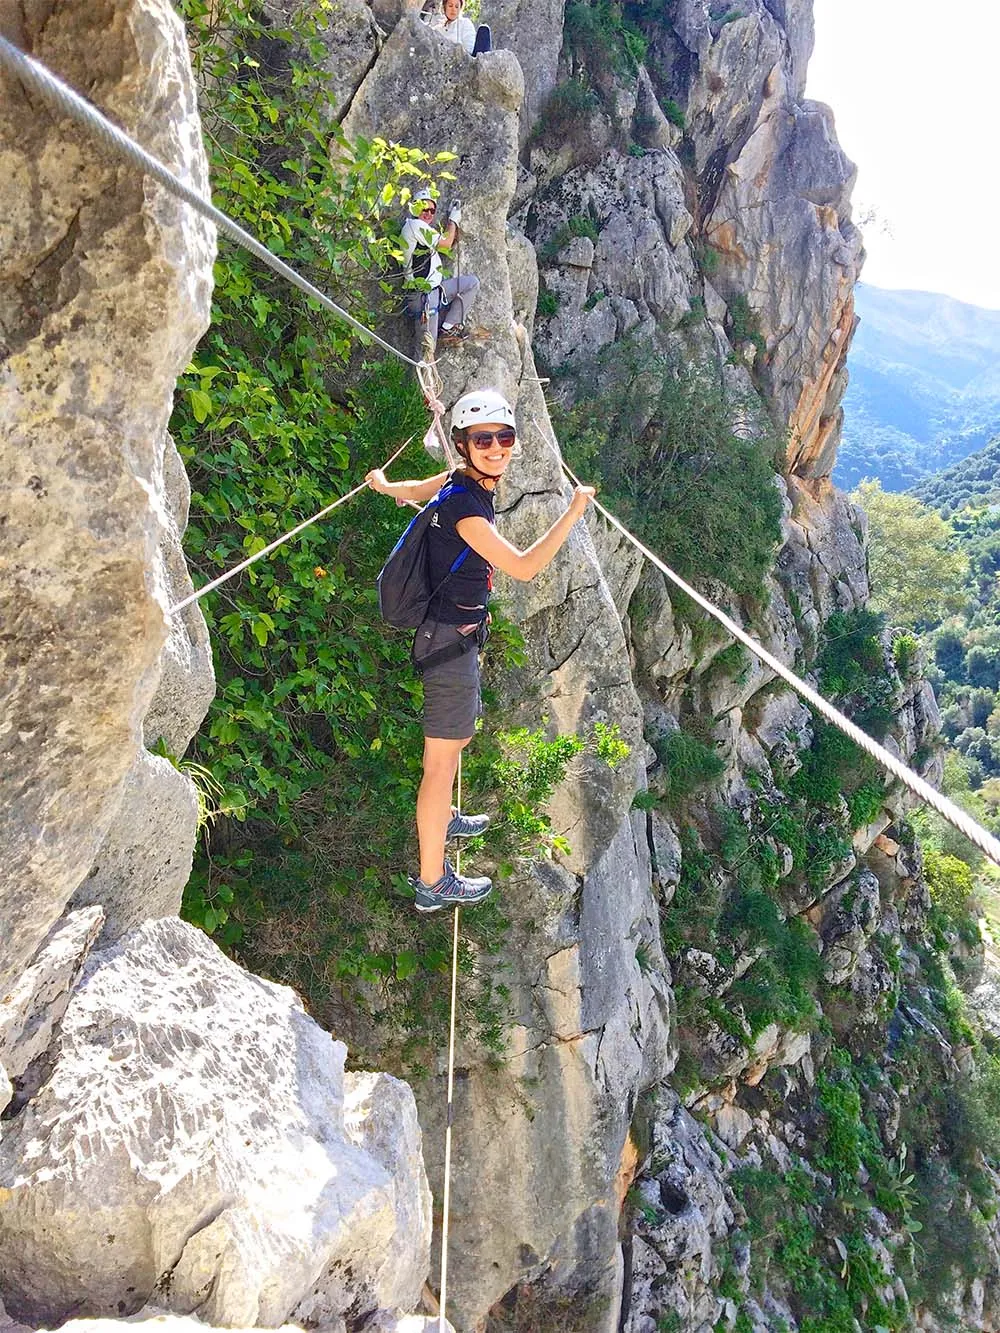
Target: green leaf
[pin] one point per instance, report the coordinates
(201, 405)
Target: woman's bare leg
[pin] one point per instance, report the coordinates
(434, 807)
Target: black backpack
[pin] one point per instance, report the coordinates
(404, 590)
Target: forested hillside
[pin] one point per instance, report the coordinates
(924, 386)
(973, 482)
(935, 560)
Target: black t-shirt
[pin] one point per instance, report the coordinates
(464, 596)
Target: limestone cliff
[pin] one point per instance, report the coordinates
(663, 1084)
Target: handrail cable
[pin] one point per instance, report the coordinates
(446, 1196)
(955, 816)
(278, 541)
(59, 95)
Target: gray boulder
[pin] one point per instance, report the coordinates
(782, 232)
(37, 1001)
(201, 1115)
(637, 275)
(145, 859)
(851, 915)
(350, 35)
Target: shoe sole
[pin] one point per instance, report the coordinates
(454, 902)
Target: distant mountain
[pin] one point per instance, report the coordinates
(924, 390)
(973, 483)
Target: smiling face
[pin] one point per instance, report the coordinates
(488, 454)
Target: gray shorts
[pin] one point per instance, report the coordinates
(451, 690)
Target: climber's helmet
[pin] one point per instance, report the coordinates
(422, 202)
(486, 408)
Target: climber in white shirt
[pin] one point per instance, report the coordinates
(423, 245)
(457, 28)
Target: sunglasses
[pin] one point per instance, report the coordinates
(429, 208)
(483, 439)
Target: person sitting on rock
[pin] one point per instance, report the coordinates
(484, 433)
(423, 245)
(453, 24)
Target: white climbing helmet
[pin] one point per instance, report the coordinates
(421, 200)
(482, 405)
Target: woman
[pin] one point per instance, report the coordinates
(457, 28)
(423, 245)
(484, 433)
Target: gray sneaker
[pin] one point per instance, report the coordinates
(467, 826)
(451, 890)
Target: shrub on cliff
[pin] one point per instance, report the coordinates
(678, 458)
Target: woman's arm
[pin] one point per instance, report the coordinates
(447, 238)
(405, 491)
(484, 539)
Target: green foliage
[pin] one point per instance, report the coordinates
(969, 484)
(949, 1125)
(659, 435)
(566, 116)
(607, 44)
(518, 771)
(548, 301)
(853, 672)
(693, 916)
(905, 653)
(966, 672)
(725, 904)
(744, 326)
(688, 765)
(695, 313)
(917, 574)
(675, 114)
(580, 224)
(952, 889)
(791, 1218)
(706, 257)
(786, 1220)
(833, 768)
(865, 803)
(608, 744)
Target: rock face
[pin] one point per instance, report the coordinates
(201, 1115)
(104, 289)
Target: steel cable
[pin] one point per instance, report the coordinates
(948, 810)
(59, 95)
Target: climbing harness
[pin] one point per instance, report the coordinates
(947, 809)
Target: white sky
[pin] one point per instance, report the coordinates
(915, 88)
